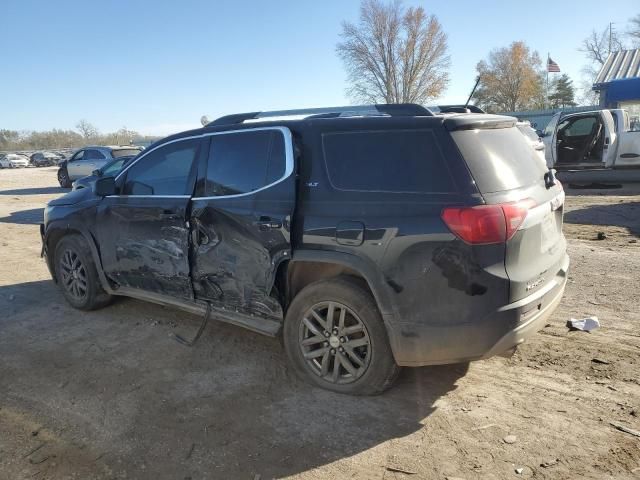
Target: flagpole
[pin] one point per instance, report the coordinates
(546, 93)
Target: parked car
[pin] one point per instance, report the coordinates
(588, 140)
(83, 162)
(534, 140)
(13, 160)
(111, 169)
(45, 159)
(369, 238)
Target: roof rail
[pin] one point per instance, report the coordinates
(394, 110)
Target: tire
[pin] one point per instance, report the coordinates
(77, 274)
(359, 334)
(63, 178)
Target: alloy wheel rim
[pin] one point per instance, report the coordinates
(335, 343)
(74, 275)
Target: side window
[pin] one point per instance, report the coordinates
(91, 154)
(580, 127)
(77, 156)
(243, 162)
(165, 171)
(404, 161)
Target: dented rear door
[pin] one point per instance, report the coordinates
(241, 219)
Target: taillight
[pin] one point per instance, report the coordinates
(486, 224)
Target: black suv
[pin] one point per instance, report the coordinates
(367, 237)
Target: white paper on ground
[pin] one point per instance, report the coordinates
(585, 324)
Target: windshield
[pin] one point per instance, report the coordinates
(125, 152)
(113, 168)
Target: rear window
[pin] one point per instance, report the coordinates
(401, 161)
(528, 132)
(499, 159)
(125, 152)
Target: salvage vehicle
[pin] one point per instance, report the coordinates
(110, 169)
(45, 159)
(13, 160)
(588, 140)
(368, 238)
(83, 162)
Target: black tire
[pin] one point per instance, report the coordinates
(77, 275)
(63, 178)
(376, 370)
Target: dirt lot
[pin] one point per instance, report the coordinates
(110, 394)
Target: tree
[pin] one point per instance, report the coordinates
(510, 79)
(598, 46)
(86, 129)
(634, 30)
(394, 54)
(562, 93)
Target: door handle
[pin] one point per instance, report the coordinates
(267, 223)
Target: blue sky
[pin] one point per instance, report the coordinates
(157, 66)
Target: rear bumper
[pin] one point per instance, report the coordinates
(422, 344)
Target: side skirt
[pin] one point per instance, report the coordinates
(254, 323)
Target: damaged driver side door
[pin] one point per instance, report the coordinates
(143, 230)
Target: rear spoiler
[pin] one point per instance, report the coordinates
(478, 122)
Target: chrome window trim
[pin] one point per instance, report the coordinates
(288, 153)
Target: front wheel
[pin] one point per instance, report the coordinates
(63, 178)
(335, 338)
(77, 275)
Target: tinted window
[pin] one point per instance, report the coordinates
(165, 171)
(386, 161)
(78, 156)
(499, 159)
(245, 161)
(124, 152)
(94, 155)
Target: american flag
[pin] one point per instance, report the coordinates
(552, 66)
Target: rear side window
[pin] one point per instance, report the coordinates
(94, 155)
(243, 162)
(124, 152)
(499, 159)
(164, 171)
(401, 161)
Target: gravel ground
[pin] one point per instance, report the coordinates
(109, 394)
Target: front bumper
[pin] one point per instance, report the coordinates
(421, 344)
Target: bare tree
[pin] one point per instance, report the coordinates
(634, 30)
(598, 46)
(394, 55)
(510, 79)
(86, 129)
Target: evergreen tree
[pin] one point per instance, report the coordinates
(561, 92)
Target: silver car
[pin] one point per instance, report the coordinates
(83, 162)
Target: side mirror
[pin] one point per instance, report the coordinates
(97, 172)
(540, 133)
(105, 186)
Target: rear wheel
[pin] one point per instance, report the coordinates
(335, 338)
(77, 275)
(63, 178)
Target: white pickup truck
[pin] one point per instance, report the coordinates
(592, 140)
